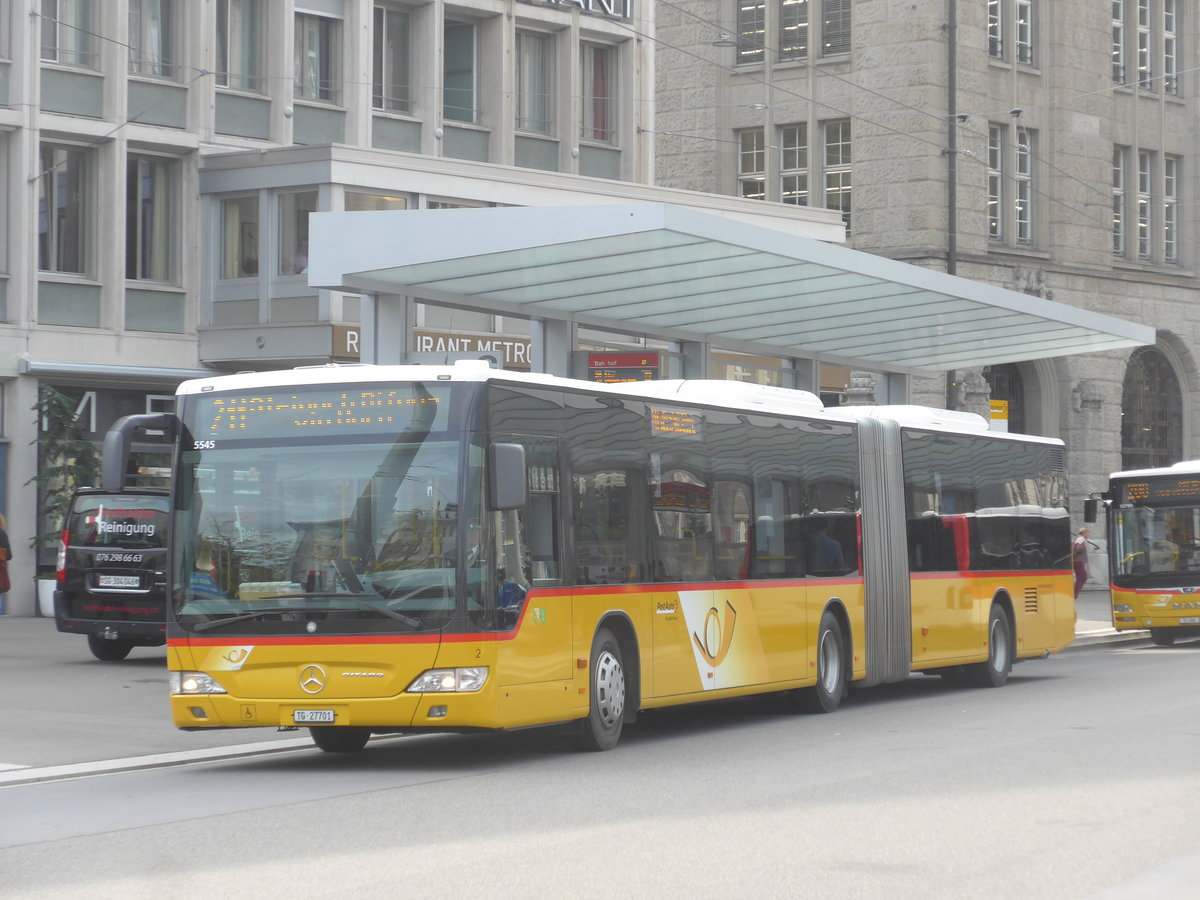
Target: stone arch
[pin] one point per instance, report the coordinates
(1152, 408)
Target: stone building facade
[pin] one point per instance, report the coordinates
(1045, 147)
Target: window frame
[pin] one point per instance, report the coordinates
(164, 245)
(317, 67)
(162, 61)
(66, 34)
(535, 85)
(249, 49)
(386, 94)
(598, 113)
(451, 112)
(50, 189)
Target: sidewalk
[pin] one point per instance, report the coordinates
(1093, 618)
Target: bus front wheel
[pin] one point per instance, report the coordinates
(1162, 637)
(606, 680)
(994, 672)
(339, 739)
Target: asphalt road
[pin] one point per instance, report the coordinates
(1075, 780)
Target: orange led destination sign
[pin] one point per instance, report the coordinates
(1174, 489)
(674, 422)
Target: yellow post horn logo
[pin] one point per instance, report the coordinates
(717, 640)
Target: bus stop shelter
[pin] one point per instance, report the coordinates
(690, 275)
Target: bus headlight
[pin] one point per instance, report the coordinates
(193, 683)
(1122, 608)
(435, 681)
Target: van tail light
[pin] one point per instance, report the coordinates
(61, 564)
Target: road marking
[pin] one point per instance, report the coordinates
(15, 775)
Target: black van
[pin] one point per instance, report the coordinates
(112, 565)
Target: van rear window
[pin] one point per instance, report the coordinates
(119, 521)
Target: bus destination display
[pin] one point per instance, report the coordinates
(674, 422)
(358, 410)
(1164, 489)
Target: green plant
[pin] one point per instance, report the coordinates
(66, 460)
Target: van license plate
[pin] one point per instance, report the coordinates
(118, 581)
(313, 716)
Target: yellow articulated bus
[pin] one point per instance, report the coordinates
(370, 550)
(1154, 550)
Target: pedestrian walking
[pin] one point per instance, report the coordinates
(1079, 559)
(5, 556)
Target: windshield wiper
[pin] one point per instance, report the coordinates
(229, 620)
(361, 598)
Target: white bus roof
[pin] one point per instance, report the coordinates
(1187, 467)
(728, 394)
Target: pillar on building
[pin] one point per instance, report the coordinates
(694, 356)
(806, 375)
(552, 342)
(385, 328)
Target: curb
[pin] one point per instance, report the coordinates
(1085, 639)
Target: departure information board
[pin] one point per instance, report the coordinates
(614, 368)
(1173, 489)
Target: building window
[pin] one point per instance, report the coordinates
(318, 59)
(1170, 209)
(293, 231)
(239, 40)
(460, 72)
(835, 27)
(1010, 184)
(599, 82)
(1118, 41)
(391, 86)
(751, 31)
(1024, 26)
(837, 167)
(63, 198)
(995, 183)
(793, 164)
(67, 33)
(793, 29)
(1170, 48)
(1145, 76)
(152, 38)
(1145, 190)
(1120, 155)
(752, 164)
(239, 237)
(1011, 24)
(356, 201)
(995, 29)
(535, 82)
(1023, 186)
(1151, 412)
(149, 218)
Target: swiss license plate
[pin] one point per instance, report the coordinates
(1190, 620)
(118, 581)
(312, 716)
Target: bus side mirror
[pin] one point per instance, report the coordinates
(1090, 507)
(507, 485)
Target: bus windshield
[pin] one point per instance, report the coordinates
(328, 509)
(1156, 545)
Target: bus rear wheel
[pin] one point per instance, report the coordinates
(606, 680)
(1162, 637)
(994, 672)
(826, 695)
(109, 651)
(339, 738)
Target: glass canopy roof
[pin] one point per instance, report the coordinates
(676, 272)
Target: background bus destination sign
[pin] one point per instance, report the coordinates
(1163, 488)
(613, 368)
(675, 422)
